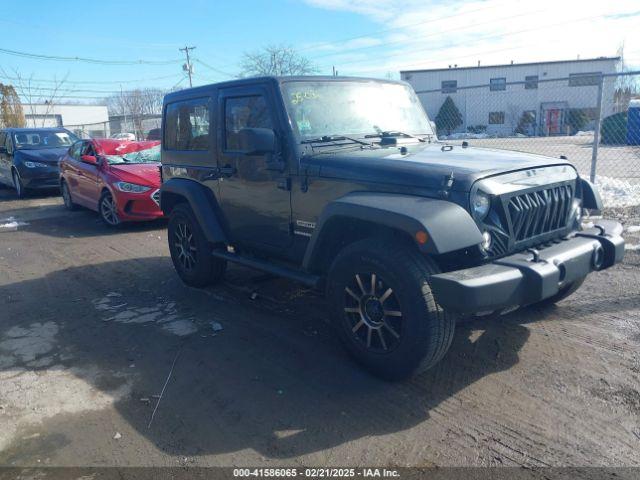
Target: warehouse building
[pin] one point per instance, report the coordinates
(84, 120)
(538, 98)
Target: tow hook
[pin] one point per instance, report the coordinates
(601, 230)
(535, 253)
(597, 259)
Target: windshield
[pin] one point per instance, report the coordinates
(40, 139)
(326, 108)
(147, 155)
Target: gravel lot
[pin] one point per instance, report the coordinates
(94, 320)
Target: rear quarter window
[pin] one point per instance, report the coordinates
(187, 125)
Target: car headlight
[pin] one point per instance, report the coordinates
(480, 204)
(131, 187)
(30, 164)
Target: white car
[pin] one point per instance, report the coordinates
(124, 136)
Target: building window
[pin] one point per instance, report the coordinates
(244, 112)
(187, 125)
(584, 79)
(531, 82)
(496, 118)
(449, 86)
(497, 84)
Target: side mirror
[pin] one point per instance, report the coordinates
(3, 149)
(257, 141)
(90, 159)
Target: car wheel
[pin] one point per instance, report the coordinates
(18, 185)
(190, 250)
(563, 293)
(66, 196)
(383, 308)
(108, 210)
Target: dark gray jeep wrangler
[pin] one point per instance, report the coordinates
(341, 184)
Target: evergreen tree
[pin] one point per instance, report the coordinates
(576, 119)
(449, 117)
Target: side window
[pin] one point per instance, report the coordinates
(187, 125)
(244, 112)
(74, 151)
(89, 150)
(3, 138)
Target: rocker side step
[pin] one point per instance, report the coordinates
(308, 279)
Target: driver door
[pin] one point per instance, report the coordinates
(254, 195)
(87, 177)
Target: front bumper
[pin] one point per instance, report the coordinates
(40, 177)
(134, 207)
(529, 277)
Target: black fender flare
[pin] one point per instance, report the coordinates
(590, 196)
(448, 226)
(203, 204)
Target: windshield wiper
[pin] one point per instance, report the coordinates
(392, 134)
(335, 138)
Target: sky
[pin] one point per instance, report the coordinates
(136, 42)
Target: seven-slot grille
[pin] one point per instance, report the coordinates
(539, 212)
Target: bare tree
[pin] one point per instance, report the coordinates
(36, 96)
(278, 60)
(11, 114)
(134, 106)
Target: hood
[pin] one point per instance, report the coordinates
(147, 174)
(425, 166)
(50, 156)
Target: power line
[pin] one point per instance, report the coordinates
(82, 90)
(221, 72)
(89, 82)
(85, 59)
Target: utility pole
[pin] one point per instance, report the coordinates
(188, 67)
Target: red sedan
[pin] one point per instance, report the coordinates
(119, 179)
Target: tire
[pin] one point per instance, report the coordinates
(21, 191)
(563, 293)
(190, 250)
(107, 210)
(66, 196)
(396, 328)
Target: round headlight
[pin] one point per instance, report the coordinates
(480, 203)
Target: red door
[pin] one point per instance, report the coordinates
(553, 121)
(87, 176)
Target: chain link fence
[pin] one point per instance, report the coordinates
(591, 119)
(127, 127)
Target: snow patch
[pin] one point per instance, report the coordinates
(632, 247)
(11, 224)
(616, 192)
(163, 313)
(633, 228)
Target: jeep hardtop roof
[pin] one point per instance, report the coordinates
(190, 92)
